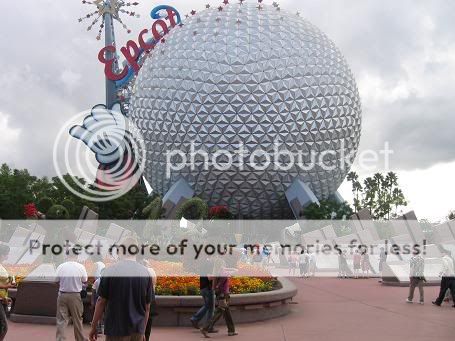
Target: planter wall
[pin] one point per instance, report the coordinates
(177, 310)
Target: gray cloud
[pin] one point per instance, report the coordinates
(402, 53)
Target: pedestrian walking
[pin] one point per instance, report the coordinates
(208, 295)
(71, 277)
(356, 259)
(365, 263)
(304, 263)
(382, 262)
(416, 276)
(313, 264)
(447, 279)
(5, 284)
(125, 295)
(221, 286)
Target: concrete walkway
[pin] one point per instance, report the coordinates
(325, 309)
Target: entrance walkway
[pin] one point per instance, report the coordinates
(325, 309)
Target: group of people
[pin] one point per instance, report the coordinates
(256, 255)
(302, 264)
(417, 278)
(124, 299)
(123, 295)
(360, 262)
(215, 291)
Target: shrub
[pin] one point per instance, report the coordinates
(154, 210)
(193, 209)
(57, 212)
(44, 204)
(69, 205)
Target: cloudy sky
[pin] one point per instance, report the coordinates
(401, 52)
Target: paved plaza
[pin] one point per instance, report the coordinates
(324, 309)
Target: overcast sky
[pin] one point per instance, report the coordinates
(401, 52)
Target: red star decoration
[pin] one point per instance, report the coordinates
(163, 40)
(260, 1)
(225, 2)
(193, 12)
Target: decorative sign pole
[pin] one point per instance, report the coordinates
(109, 37)
(108, 11)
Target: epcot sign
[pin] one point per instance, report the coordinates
(132, 50)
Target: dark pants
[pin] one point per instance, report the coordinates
(3, 321)
(148, 328)
(447, 283)
(222, 309)
(207, 308)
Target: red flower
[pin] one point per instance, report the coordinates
(30, 210)
(221, 212)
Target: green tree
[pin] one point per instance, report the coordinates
(356, 190)
(18, 187)
(379, 193)
(327, 210)
(15, 192)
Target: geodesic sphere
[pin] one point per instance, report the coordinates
(254, 77)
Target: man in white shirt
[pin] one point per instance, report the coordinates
(71, 275)
(447, 280)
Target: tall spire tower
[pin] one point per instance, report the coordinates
(106, 12)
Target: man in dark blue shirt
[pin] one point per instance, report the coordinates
(125, 293)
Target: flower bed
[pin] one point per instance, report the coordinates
(188, 284)
(184, 286)
(248, 279)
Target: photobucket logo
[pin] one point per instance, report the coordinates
(106, 162)
(279, 159)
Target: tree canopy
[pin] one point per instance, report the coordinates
(379, 193)
(327, 210)
(19, 187)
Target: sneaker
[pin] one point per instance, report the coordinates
(421, 302)
(194, 323)
(435, 303)
(205, 333)
(232, 334)
(408, 300)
